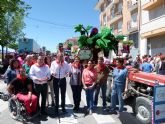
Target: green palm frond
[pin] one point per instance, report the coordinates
(78, 28)
(120, 37)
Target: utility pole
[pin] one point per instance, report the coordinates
(139, 24)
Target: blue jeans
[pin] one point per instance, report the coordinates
(89, 98)
(103, 87)
(116, 94)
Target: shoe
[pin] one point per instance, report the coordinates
(104, 108)
(64, 110)
(86, 112)
(44, 113)
(112, 112)
(52, 104)
(56, 111)
(75, 108)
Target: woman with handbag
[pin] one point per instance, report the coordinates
(75, 82)
(89, 77)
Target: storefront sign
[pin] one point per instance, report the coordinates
(85, 54)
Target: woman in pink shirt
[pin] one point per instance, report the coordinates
(89, 77)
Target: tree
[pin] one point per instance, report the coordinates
(13, 46)
(12, 13)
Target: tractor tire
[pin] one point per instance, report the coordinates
(143, 110)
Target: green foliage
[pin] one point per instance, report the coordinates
(82, 41)
(105, 40)
(128, 42)
(84, 31)
(12, 13)
(88, 28)
(13, 45)
(78, 28)
(120, 37)
(69, 45)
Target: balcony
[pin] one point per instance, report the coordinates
(109, 4)
(115, 1)
(98, 5)
(132, 5)
(132, 26)
(152, 4)
(153, 28)
(115, 17)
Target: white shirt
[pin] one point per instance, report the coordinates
(58, 70)
(37, 72)
(106, 61)
(74, 75)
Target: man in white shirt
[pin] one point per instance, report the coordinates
(59, 70)
(40, 74)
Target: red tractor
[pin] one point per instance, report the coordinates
(141, 89)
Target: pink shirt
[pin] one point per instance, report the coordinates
(20, 61)
(89, 76)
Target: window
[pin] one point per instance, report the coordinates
(134, 20)
(112, 13)
(134, 37)
(120, 26)
(120, 7)
(104, 20)
(102, 8)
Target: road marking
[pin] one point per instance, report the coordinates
(3, 106)
(66, 119)
(100, 119)
(2, 86)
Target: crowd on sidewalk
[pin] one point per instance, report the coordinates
(31, 76)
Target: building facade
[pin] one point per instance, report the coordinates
(152, 27)
(136, 19)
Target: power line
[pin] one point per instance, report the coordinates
(51, 23)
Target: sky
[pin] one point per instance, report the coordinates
(50, 22)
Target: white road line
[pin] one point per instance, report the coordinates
(3, 106)
(70, 119)
(100, 119)
(2, 87)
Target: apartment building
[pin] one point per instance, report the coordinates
(136, 19)
(152, 27)
(122, 16)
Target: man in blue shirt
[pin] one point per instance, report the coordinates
(146, 67)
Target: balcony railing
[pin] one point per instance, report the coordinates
(153, 26)
(115, 1)
(115, 17)
(151, 4)
(132, 5)
(131, 27)
(100, 5)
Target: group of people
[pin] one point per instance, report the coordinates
(34, 76)
(30, 80)
(148, 63)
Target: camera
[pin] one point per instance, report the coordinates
(4, 97)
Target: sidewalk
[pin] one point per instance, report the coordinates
(2, 86)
